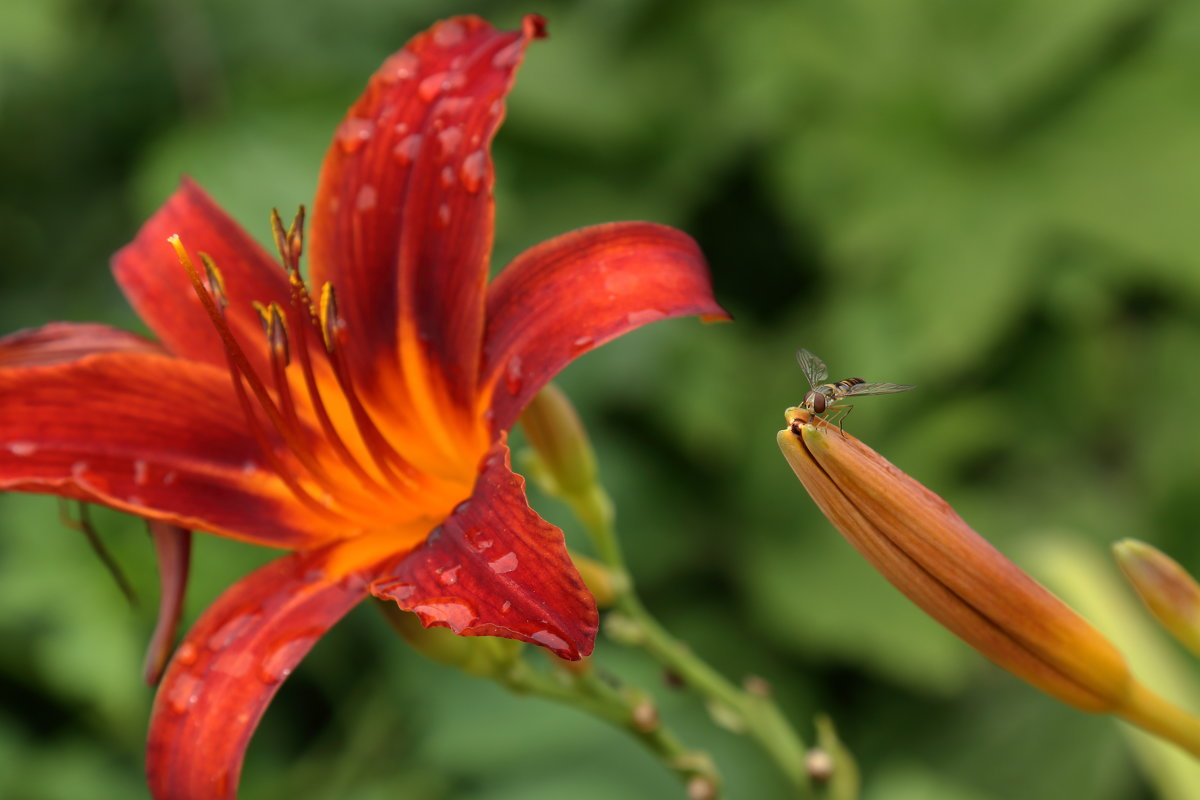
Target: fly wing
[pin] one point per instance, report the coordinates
(814, 369)
(860, 389)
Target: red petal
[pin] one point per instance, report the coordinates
(577, 291)
(152, 435)
(402, 224)
(173, 548)
(230, 665)
(68, 341)
(158, 288)
(495, 568)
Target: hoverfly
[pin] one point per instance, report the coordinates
(823, 397)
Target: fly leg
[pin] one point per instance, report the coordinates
(843, 412)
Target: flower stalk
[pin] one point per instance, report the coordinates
(553, 432)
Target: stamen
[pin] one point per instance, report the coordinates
(216, 282)
(381, 450)
(239, 364)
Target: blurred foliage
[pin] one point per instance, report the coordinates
(993, 200)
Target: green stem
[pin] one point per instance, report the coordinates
(587, 693)
(759, 715)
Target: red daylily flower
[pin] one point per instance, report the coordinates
(365, 432)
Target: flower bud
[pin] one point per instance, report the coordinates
(556, 434)
(953, 574)
(926, 551)
(1171, 594)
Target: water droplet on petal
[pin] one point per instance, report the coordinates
(284, 656)
(408, 148)
(353, 133)
(433, 85)
(581, 344)
(141, 472)
(249, 467)
(78, 469)
(456, 615)
(513, 378)
(399, 67)
(477, 539)
(22, 448)
(443, 215)
(506, 607)
(472, 171)
(395, 588)
(503, 564)
(447, 177)
(401, 128)
(232, 629)
(552, 640)
(184, 692)
(450, 106)
(450, 139)
(449, 33)
(187, 654)
(496, 107)
(507, 57)
(449, 577)
(367, 197)
(645, 316)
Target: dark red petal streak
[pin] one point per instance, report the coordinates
(152, 435)
(403, 220)
(495, 568)
(68, 341)
(173, 549)
(230, 665)
(577, 291)
(157, 286)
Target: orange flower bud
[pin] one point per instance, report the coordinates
(926, 551)
(1171, 594)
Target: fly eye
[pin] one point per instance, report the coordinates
(818, 403)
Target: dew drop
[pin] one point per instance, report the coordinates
(443, 215)
(284, 656)
(447, 177)
(187, 654)
(183, 694)
(169, 478)
(503, 564)
(450, 139)
(645, 316)
(78, 469)
(449, 33)
(401, 128)
(231, 630)
(449, 577)
(433, 85)
(22, 448)
(249, 466)
(394, 588)
(141, 472)
(473, 168)
(507, 57)
(477, 539)
(453, 614)
(399, 67)
(496, 107)
(551, 640)
(581, 344)
(450, 107)
(513, 379)
(506, 607)
(408, 148)
(353, 133)
(367, 197)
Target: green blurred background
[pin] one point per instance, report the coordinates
(996, 201)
